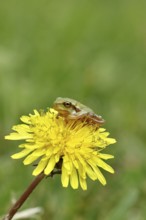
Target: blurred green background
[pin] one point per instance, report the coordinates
(92, 51)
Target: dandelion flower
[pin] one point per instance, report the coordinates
(73, 147)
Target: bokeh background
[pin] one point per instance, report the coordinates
(92, 51)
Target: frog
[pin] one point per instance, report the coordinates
(71, 109)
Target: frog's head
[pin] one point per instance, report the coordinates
(64, 106)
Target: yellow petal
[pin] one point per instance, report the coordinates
(30, 159)
(106, 156)
(50, 166)
(83, 183)
(21, 154)
(40, 167)
(64, 177)
(74, 179)
(90, 172)
(67, 163)
(104, 165)
(16, 136)
(99, 175)
(26, 119)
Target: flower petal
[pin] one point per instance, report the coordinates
(74, 179)
(50, 166)
(21, 154)
(83, 183)
(104, 165)
(40, 167)
(64, 177)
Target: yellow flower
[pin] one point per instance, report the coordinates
(74, 147)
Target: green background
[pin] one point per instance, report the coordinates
(92, 51)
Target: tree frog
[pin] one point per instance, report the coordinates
(71, 109)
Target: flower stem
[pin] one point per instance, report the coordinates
(26, 194)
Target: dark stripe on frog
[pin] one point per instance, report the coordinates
(75, 108)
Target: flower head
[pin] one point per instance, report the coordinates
(73, 146)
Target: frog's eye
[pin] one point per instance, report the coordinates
(67, 104)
